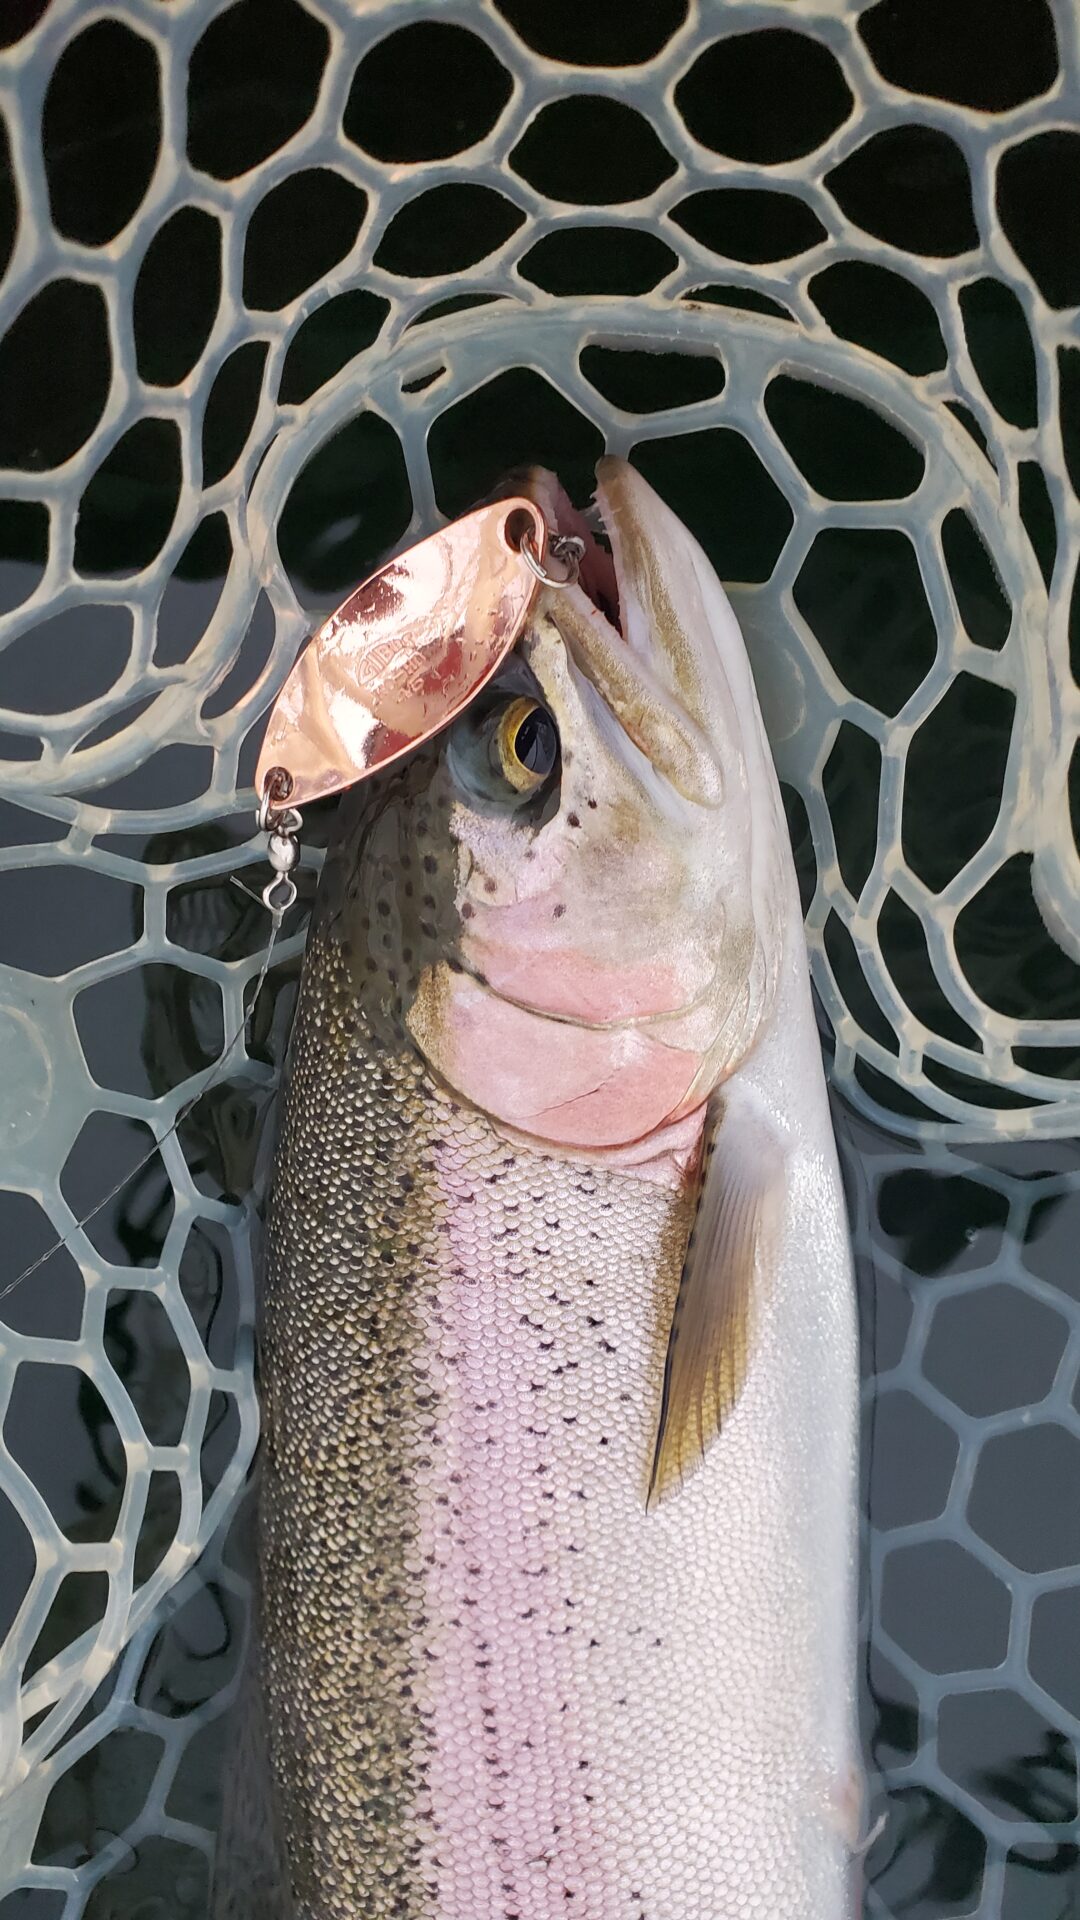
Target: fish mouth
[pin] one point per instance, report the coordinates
(640, 631)
(597, 569)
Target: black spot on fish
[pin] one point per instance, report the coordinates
(557, 912)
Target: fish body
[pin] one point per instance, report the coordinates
(556, 1541)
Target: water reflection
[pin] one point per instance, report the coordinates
(929, 1860)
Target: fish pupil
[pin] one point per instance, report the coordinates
(536, 742)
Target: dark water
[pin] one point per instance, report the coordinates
(967, 1259)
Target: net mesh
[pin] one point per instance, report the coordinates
(284, 286)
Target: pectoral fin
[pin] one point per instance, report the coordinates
(727, 1260)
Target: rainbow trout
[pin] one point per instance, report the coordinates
(558, 1371)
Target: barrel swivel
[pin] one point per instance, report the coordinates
(283, 824)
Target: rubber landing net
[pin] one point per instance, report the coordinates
(284, 284)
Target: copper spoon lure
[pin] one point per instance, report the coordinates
(398, 661)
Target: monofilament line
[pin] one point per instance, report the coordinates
(212, 1078)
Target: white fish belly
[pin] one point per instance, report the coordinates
(631, 1715)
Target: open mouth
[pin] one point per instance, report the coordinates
(597, 576)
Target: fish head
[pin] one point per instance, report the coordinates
(582, 887)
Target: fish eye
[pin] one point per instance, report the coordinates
(527, 743)
(505, 751)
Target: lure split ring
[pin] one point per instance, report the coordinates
(567, 548)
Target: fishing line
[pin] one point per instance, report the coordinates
(278, 908)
